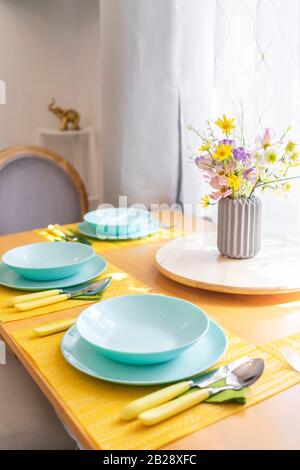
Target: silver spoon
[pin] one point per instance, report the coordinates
(244, 375)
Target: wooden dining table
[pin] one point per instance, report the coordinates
(271, 424)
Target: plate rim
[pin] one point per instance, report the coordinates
(143, 383)
(133, 236)
(48, 287)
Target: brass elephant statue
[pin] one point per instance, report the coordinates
(69, 118)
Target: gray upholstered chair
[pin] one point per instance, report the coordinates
(38, 187)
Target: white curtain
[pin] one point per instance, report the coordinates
(250, 55)
(140, 78)
(171, 63)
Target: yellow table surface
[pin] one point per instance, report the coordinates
(271, 424)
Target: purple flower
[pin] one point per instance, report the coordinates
(241, 154)
(203, 162)
(227, 142)
(249, 174)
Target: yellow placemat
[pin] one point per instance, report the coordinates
(274, 347)
(104, 245)
(122, 283)
(97, 405)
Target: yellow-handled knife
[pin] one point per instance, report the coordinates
(40, 299)
(56, 232)
(34, 296)
(54, 327)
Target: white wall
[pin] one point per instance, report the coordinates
(48, 48)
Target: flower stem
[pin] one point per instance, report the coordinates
(276, 181)
(242, 125)
(257, 183)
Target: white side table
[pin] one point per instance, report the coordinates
(86, 165)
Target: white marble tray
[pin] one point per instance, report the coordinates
(195, 261)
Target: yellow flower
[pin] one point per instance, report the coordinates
(225, 124)
(234, 182)
(287, 187)
(205, 202)
(272, 157)
(204, 148)
(222, 152)
(290, 147)
(294, 157)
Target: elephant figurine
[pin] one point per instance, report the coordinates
(69, 118)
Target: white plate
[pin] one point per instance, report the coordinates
(195, 261)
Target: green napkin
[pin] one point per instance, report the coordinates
(236, 396)
(93, 298)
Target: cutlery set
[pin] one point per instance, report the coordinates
(135, 408)
(57, 233)
(237, 378)
(65, 234)
(143, 339)
(48, 297)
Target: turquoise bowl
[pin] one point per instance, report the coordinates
(118, 222)
(48, 261)
(143, 328)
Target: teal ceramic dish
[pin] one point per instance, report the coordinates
(91, 270)
(89, 231)
(48, 261)
(197, 359)
(118, 221)
(142, 328)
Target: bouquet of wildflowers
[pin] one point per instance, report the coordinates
(235, 169)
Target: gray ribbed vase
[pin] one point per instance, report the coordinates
(239, 227)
